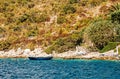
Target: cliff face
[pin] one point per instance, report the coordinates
(56, 23)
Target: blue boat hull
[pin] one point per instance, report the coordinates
(40, 58)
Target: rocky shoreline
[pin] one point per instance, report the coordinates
(79, 53)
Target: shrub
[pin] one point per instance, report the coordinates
(23, 2)
(15, 28)
(60, 42)
(32, 33)
(115, 7)
(66, 43)
(2, 30)
(49, 49)
(4, 45)
(115, 13)
(96, 2)
(115, 16)
(119, 51)
(117, 37)
(73, 1)
(76, 38)
(69, 9)
(61, 20)
(42, 18)
(101, 32)
(109, 46)
(23, 18)
(33, 17)
(84, 2)
(31, 5)
(92, 48)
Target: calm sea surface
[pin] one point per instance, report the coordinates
(59, 69)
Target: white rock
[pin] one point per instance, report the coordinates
(27, 51)
(19, 51)
(11, 52)
(2, 52)
(80, 51)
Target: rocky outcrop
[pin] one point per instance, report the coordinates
(83, 53)
(79, 53)
(22, 53)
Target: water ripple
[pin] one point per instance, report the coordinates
(59, 69)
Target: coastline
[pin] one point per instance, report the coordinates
(79, 53)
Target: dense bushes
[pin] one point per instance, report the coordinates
(102, 32)
(34, 17)
(115, 16)
(58, 19)
(115, 7)
(69, 9)
(66, 43)
(115, 13)
(105, 33)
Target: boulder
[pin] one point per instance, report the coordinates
(19, 51)
(26, 52)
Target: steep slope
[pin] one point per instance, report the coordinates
(33, 23)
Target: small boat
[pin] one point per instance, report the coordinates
(41, 58)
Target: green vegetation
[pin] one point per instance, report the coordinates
(95, 2)
(60, 25)
(109, 46)
(119, 51)
(104, 33)
(32, 33)
(101, 33)
(61, 19)
(69, 9)
(115, 13)
(73, 1)
(66, 43)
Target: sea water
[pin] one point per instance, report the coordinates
(59, 69)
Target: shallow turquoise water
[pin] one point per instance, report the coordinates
(59, 69)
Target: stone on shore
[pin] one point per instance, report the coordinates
(19, 51)
(79, 53)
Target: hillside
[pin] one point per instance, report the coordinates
(59, 25)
